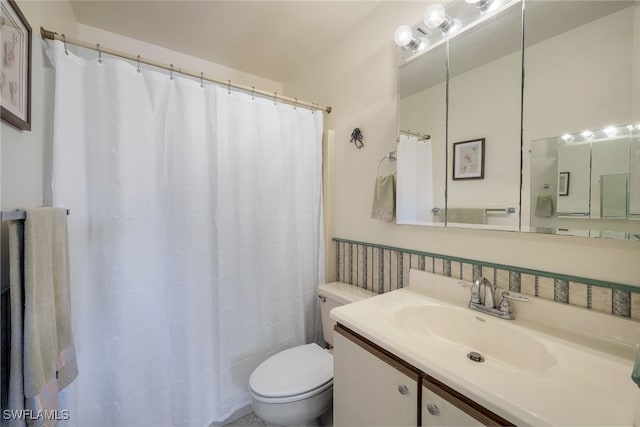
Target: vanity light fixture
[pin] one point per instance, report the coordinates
(587, 134)
(485, 5)
(404, 37)
(436, 17)
(610, 131)
(566, 137)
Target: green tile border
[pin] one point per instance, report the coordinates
(557, 276)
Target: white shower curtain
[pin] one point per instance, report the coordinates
(196, 238)
(415, 181)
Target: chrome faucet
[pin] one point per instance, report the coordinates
(483, 299)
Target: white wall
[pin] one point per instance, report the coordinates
(161, 54)
(22, 152)
(357, 77)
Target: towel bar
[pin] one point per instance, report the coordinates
(16, 215)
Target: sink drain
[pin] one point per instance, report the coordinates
(475, 356)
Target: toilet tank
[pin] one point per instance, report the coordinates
(334, 295)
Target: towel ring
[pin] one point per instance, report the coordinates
(391, 156)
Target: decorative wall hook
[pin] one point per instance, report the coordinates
(357, 138)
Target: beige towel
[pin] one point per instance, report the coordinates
(15, 230)
(544, 206)
(384, 198)
(49, 361)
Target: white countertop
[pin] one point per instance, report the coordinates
(572, 377)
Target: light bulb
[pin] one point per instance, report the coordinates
(566, 137)
(403, 35)
(435, 16)
(587, 134)
(610, 130)
(457, 24)
(485, 5)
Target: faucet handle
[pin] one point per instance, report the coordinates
(505, 304)
(506, 294)
(464, 284)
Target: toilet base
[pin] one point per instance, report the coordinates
(305, 412)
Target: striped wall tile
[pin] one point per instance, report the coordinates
(438, 266)
(360, 267)
(528, 284)
(578, 293)
(382, 269)
(415, 261)
(561, 290)
(546, 287)
(428, 264)
(502, 278)
(406, 266)
(601, 299)
(635, 306)
(467, 272)
(456, 269)
(447, 267)
(370, 269)
(515, 281)
(477, 272)
(621, 303)
(386, 270)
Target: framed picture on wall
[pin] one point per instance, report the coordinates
(468, 159)
(563, 183)
(15, 74)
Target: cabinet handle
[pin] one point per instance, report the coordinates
(433, 409)
(403, 390)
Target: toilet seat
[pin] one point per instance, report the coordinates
(294, 374)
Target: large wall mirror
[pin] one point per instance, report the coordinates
(556, 151)
(580, 122)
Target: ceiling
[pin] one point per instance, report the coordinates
(270, 39)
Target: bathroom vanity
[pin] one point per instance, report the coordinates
(401, 358)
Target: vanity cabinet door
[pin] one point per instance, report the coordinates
(436, 411)
(368, 389)
(443, 406)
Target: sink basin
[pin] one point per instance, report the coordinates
(461, 330)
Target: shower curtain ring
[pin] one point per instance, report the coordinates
(138, 64)
(294, 104)
(201, 78)
(275, 98)
(99, 54)
(313, 108)
(253, 91)
(171, 72)
(64, 40)
(229, 87)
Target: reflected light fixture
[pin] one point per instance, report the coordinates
(485, 5)
(587, 134)
(404, 38)
(566, 137)
(436, 17)
(610, 131)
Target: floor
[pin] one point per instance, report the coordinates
(250, 420)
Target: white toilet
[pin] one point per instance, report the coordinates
(295, 386)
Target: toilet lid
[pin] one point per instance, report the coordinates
(293, 371)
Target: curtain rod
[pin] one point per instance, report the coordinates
(51, 35)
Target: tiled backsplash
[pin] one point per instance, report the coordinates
(381, 269)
